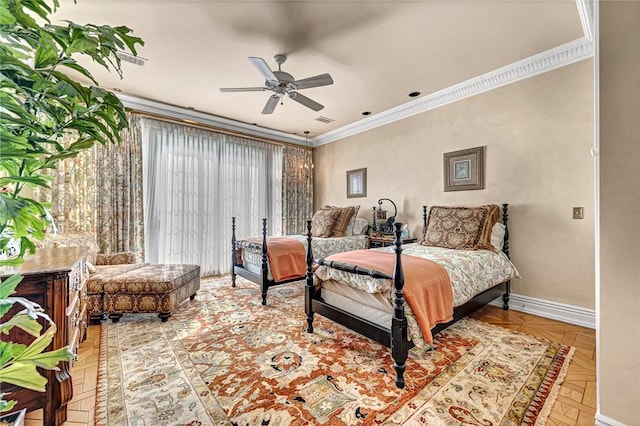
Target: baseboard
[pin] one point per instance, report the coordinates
(606, 421)
(545, 308)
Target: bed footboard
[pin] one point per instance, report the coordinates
(396, 337)
(237, 268)
(505, 249)
(234, 252)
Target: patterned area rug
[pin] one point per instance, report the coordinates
(224, 359)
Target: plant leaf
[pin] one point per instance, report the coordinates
(23, 322)
(23, 375)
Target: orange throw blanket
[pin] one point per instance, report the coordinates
(427, 288)
(287, 257)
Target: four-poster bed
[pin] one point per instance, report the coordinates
(393, 330)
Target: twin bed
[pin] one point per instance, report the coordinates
(364, 290)
(250, 258)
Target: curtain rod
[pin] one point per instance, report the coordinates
(203, 126)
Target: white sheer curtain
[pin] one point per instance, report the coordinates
(194, 182)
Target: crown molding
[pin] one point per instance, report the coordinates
(586, 13)
(192, 116)
(551, 59)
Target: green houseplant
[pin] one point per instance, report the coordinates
(40, 103)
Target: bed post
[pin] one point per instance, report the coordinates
(233, 251)
(505, 249)
(310, 289)
(373, 213)
(265, 281)
(424, 220)
(399, 342)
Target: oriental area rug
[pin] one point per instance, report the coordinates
(224, 359)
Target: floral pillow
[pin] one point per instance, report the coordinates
(461, 228)
(323, 222)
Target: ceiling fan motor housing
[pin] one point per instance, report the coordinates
(286, 81)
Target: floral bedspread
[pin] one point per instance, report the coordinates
(470, 271)
(322, 247)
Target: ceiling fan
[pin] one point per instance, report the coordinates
(283, 83)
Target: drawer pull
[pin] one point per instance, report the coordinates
(76, 282)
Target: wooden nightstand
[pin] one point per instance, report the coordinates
(387, 240)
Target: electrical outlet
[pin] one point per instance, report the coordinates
(578, 212)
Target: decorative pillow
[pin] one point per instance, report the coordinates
(461, 228)
(497, 236)
(361, 226)
(91, 268)
(351, 225)
(323, 221)
(346, 213)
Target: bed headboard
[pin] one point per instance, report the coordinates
(505, 220)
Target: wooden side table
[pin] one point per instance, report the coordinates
(386, 240)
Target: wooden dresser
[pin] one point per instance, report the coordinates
(55, 278)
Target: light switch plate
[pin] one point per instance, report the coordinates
(578, 212)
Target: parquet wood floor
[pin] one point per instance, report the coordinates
(575, 404)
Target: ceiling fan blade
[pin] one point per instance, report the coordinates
(271, 104)
(264, 69)
(315, 81)
(242, 89)
(309, 103)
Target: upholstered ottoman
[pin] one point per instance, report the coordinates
(142, 288)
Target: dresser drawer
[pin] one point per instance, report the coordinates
(75, 283)
(73, 317)
(74, 344)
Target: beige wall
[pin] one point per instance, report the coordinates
(619, 310)
(538, 134)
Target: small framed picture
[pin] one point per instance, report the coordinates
(357, 183)
(464, 170)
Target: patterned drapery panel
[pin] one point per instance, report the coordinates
(119, 210)
(73, 191)
(100, 190)
(297, 190)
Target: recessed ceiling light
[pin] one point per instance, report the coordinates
(414, 94)
(366, 113)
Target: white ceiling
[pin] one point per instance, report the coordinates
(376, 51)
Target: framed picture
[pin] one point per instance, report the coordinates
(357, 183)
(464, 170)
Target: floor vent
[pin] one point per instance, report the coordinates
(135, 60)
(325, 120)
